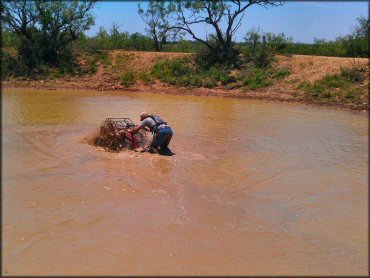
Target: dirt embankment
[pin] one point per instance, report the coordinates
(106, 77)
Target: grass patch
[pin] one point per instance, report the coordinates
(103, 57)
(128, 79)
(145, 77)
(256, 77)
(281, 73)
(343, 87)
(123, 62)
(96, 59)
(187, 73)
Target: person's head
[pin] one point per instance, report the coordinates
(144, 115)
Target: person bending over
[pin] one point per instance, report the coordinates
(162, 133)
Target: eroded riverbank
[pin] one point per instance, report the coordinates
(302, 69)
(254, 188)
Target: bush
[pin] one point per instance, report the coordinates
(171, 68)
(255, 77)
(281, 73)
(10, 66)
(183, 72)
(344, 87)
(205, 58)
(146, 78)
(104, 57)
(186, 72)
(355, 73)
(127, 79)
(256, 80)
(92, 67)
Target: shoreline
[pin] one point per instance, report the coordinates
(168, 90)
(107, 77)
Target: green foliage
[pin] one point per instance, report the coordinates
(207, 58)
(102, 57)
(227, 79)
(157, 17)
(255, 77)
(355, 44)
(355, 73)
(183, 72)
(171, 69)
(344, 87)
(92, 67)
(45, 29)
(10, 39)
(145, 77)
(11, 66)
(281, 73)
(185, 46)
(260, 48)
(222, 17)
(114, 39)
(128, 79)
(188, 73)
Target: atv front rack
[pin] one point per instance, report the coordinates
(120, 123)
(114, 134)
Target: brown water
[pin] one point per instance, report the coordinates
(255, 188)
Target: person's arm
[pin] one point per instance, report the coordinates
(134, 129)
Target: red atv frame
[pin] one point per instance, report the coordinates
(123, 124)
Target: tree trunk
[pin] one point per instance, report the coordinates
(156, 45)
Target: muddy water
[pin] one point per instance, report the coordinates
(254, 188)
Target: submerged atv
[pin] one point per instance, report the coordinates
(114, 136)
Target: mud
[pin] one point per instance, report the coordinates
(113, 136)
(256, 188)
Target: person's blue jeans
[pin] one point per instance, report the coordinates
(162, 138)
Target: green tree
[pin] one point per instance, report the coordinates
(141, 42)
(20, 17)
(363, 29)
(46, 28)
(157, 18)
(61, 22)
(224, 17)
(253, 39)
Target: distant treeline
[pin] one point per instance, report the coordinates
(355, 44)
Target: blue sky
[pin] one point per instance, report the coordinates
(303, 21)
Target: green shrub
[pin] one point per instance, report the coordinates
(205, 58)
(255, 78)
(104, 57)
(354, 73)
(209, 83)
(182, 72)
(146, 78)
(92, 67)
(171, 68)
(227, 79)
(281, 73)
(127, 79)
(303, 85)
(343, 87)
(9, 65)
